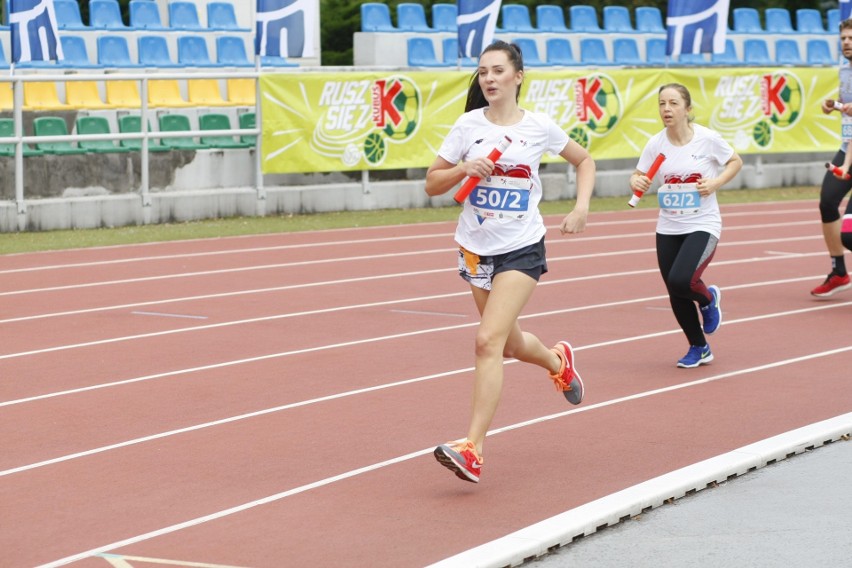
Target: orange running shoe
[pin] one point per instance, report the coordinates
(461, 458)
(567, 379)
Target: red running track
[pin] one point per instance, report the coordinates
(274, 400)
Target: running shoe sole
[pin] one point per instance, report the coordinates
(833, 291)
(444, 455)
(698, 364)
(574, 395)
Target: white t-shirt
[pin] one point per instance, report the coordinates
(501, 214)
(704, 156)
(845, 76)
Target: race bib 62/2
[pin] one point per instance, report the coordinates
(679, 198)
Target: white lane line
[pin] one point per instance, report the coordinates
(366, 257)
(446, 236)
(425, 313)
(552, 260)
(257, 413)
(161, 314)
(275, 317)
(382, 338)
(399, 459)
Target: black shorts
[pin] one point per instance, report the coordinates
(481, 270)
(832, 193)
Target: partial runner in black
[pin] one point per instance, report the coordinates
(837, 183)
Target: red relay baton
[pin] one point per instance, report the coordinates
(471, 182)
(838, 173)
(652, 171)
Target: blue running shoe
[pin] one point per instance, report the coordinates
(697, 355)
(712, 312)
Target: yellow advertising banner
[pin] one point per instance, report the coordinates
(323, 122)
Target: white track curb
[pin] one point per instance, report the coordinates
(540, 538)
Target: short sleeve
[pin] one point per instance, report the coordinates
(453, 147)
(556, 137)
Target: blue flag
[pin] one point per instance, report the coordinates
(34, 33)
(696, 26)
(286, 28)
(477, 20)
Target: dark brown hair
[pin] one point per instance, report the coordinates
(475, 97)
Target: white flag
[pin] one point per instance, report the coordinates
(286, 28)
(34, 33)
(477, 20)
(696, 26)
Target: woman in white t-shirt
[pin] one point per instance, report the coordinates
(697, 163)
(501, 234)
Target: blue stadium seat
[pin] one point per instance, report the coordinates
(276, 61)
(114, 52)
(819, 52)
(68, 15)
(4, 63)
(778, 21)
(153, 51)
(655, 51)
(231, 52)
(75, 54)
(411, 17)
(625, 51)
(529, 51)
(559, 52)
(833, 18)
(192, 51)
(583, 18)
(593, 52)
(450, 47)
(516, 19)
(691, 60)
(787, 52)
(756, 53)
(145, 14)
(222, 16)
(421, 53)
(617, 19)
(444, 17)
(727, 59)
(184, 16)
(375, 17)
(649, 19)
(809, 21)
(747, 21)
(549, 18)
(105, 15)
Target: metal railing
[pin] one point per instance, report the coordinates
(145, 135)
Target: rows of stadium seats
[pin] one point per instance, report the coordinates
(181, 41)
(628, 51)
(145, 15)
(152, 51)
(127, 124)
(124, 94)
(516, 18)
(576, 36)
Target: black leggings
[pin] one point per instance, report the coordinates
(682, 260)
(831, 195)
